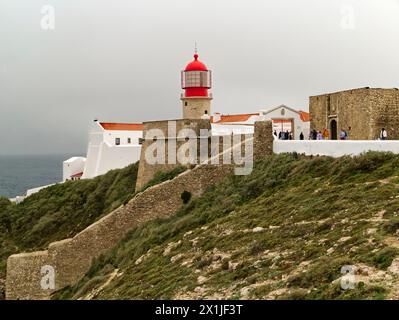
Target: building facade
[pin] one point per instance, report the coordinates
(361, 112)
(112, 146)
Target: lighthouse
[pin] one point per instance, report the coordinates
(196, 80)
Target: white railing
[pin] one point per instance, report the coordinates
(334, 148)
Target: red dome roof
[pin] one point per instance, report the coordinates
(196, 65)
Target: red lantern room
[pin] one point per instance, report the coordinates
(196, 79)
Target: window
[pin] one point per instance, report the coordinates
(185, 104)
(193, 79)
(117, 141)
(129, 140)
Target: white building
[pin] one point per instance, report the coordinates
(112, 146)
(284, 119)
(287, 119)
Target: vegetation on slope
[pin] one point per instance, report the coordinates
(60, 212)
(285, 231)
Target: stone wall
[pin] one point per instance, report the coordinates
(263, 139)
(364, 110)
(384, 112)
(147, 170)
(195, 107)
(72, 258)
(206, 146)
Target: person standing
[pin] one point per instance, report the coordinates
(314, 135)
(326, 134)
(383, 134)
(319, 136)
(342, 135)
(348, 133)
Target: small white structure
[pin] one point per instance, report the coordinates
(72, 169)
(284, 119)
(112, 146)
(287, 119)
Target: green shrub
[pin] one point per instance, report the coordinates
(383, 259)
(185, 196)
(391, 226)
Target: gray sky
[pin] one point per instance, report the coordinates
(121, 60)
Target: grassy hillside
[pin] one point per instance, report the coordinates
(285, 231)
(60, 211)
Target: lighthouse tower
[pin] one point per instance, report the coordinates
(196, 80)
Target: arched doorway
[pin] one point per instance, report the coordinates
(333, 129)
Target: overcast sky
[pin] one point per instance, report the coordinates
(120, 60)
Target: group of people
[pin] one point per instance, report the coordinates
(319, 135)
(287, 135)
(323, 135)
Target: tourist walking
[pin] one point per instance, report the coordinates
(383, 134)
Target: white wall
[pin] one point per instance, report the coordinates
(37, 189)
(102, 153)
(334, 148)
(299, 125)
(110, 136)
(227, 129)
(116, 157)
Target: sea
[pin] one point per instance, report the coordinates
(19, 173)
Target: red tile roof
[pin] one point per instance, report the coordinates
(305, 116)
(122, 126)
(234, 117)
(77, 175)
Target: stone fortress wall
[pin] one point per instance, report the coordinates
(365, 110)
(175, 137)
(72, 258)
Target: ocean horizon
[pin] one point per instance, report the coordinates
(19, 173)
